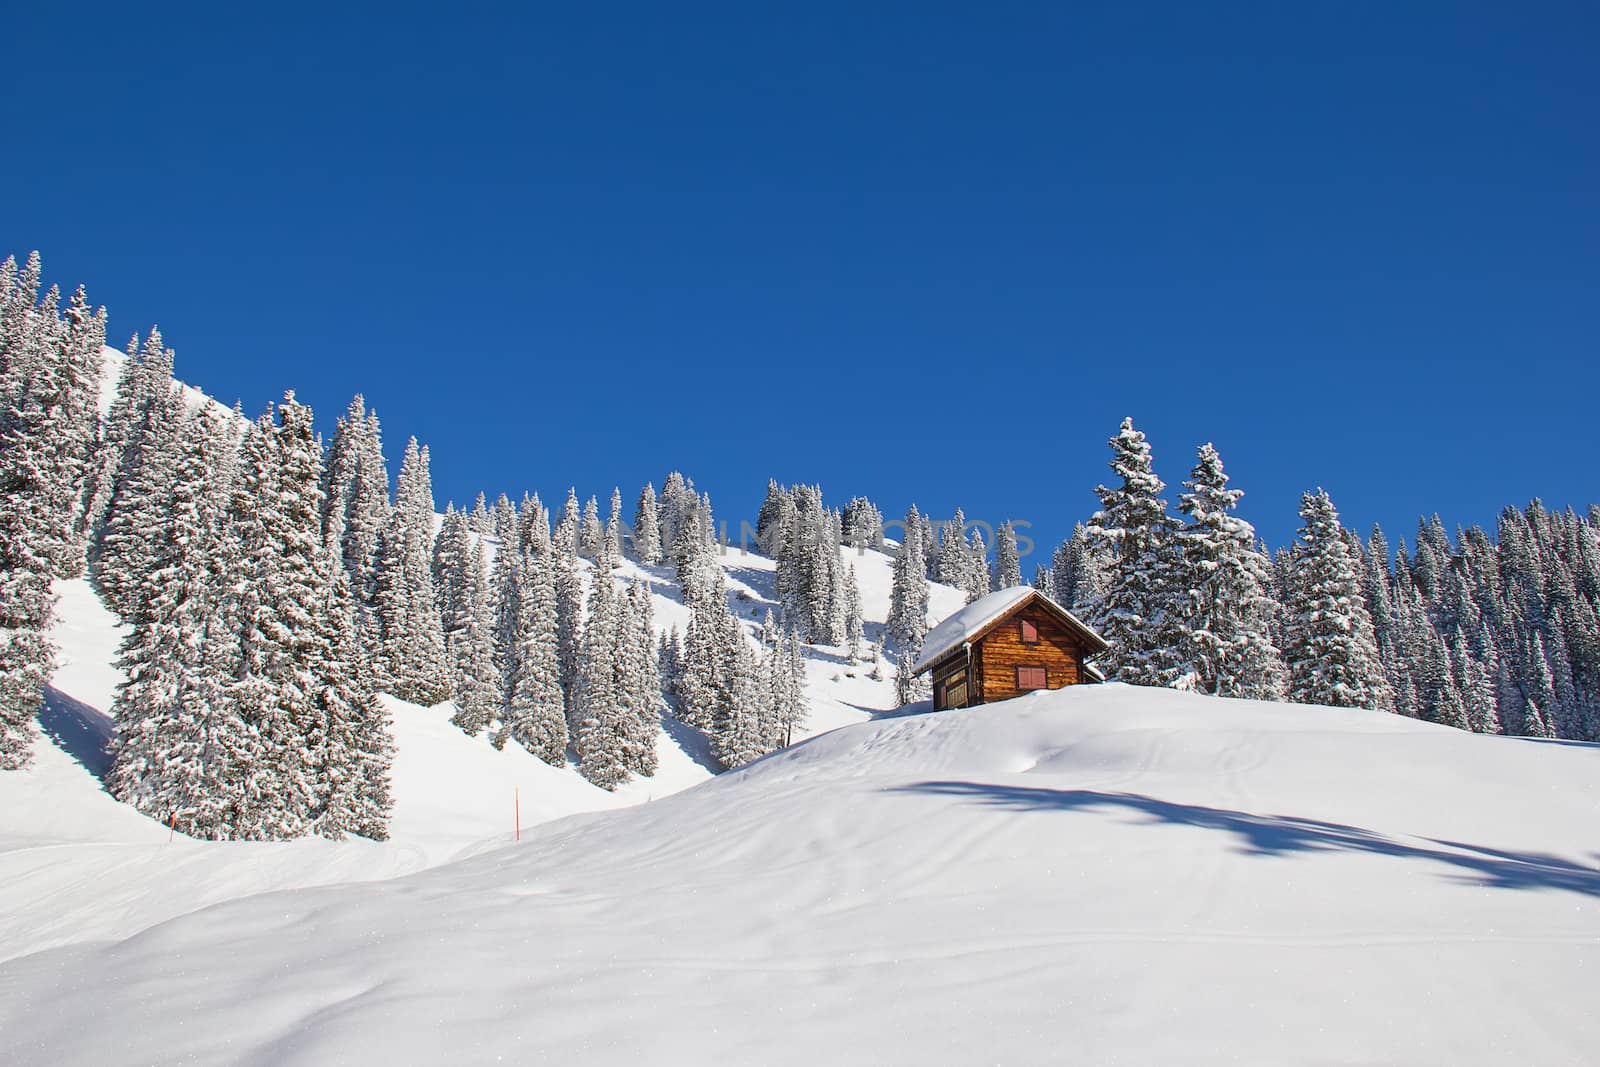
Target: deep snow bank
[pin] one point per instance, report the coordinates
(1095, 875)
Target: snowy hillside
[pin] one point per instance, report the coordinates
(454, 794)
(1098, 875)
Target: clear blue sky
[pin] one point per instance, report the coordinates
(930, 252)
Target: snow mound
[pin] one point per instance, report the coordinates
(1100, 874)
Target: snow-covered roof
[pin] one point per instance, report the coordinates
(979, 615)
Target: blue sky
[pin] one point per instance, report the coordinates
(921, 252)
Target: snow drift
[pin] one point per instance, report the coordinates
(1099, 874)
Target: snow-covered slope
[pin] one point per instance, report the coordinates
(1097, 875)
(60, 832)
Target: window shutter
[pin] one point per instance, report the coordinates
(1031, 678)
(1030, 633)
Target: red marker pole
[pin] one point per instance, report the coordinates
(172, 827)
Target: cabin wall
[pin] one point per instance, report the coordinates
(1000, 653)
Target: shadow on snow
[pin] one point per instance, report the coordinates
(1278, 835)
(82, 732)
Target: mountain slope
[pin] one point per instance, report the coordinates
(1099, 875)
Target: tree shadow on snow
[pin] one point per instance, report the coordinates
(759, 582)
(1278, 835)
(694, 743)
(82, 732)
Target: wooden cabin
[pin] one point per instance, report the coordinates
(1004, 645)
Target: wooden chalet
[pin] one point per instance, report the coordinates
(1004, 645)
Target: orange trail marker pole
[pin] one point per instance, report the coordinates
(172, 827)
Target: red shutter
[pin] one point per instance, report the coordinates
(1030, 633)
(1031, 678)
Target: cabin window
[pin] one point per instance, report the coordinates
(1032, 678)
(1030, 633)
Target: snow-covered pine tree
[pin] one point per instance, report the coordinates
(1007, 564)
(1081, 570)
(26, 547)
(862, 525)
(535, 715)
(591, 535)
(505, 530)
(854, 624)
(930, 546)
(1140, 614)
(531, 516)
(907, 625)
(358, 753)
(133, 530)
(569, 605)
(677, 502)
(1227, 616)
(601, 729)
(1377, 589)
(1043, 579)
(357, 510)
(792, 714)
(1329, 644)
(671, 658)
(616, 535)
(824, 623)
(277, 608)
(478, 688)
(639, 681)
(146, 381)
(955, 557)
(647, 528)
(1476, 687)
(62, 388)
(452, 550)
(413, 665)
(908, 688)
(741, 730)
(977, 584)
(176, 728)
(770, 530)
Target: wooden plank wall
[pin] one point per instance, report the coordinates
(1002, 652)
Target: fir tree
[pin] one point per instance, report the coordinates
(25, 569)
(854, 624)
(477, 688)
(535, 714)
(1140, 615)
(591, 535)
(357, 511)
(908, 598)
(601, 727)
(1007, 564)
(639, 681)
(413, 664)
(1227, 615)
(646, 528)
(358, 751)
(977, 584)
(133, 531)
(569, 605)
(1330, 647)
(955, 560)
(176, 728)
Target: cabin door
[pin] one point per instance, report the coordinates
(955, 690)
